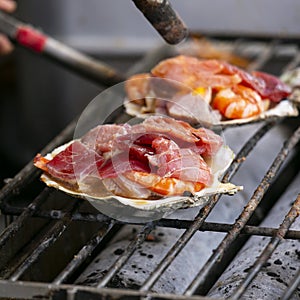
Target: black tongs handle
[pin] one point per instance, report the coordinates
(164, 19)
(40, 43)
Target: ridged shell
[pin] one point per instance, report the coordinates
(285, 108)
(141, 210)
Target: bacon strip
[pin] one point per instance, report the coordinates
(183, 164)
(266, 85)
(193, 73)
(275, 90)
(73, 164)
(162, 151)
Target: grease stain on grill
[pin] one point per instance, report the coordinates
(151, 238)
(88, 281)
(281, 281)
(228, 289)
(247, 270)
(272, 274)
(278, 262)
(118, 282)
(93, 274)
(118, 251)
(297, 253)
(267, 264)
(255, 286)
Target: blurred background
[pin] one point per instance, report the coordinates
(39, 98)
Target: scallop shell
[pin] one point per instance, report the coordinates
(141, 210)
(285, 108)
(292, 79)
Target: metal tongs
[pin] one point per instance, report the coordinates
(164, 19)
(159, 13)
(40, 43)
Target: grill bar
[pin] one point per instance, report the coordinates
(292, 287)
(247, 148)
(200, 281)
(29, 290)
(125, 256)
(168, 223)
(63, 217)
(83, 254)
(286, 224)
(204, 212)
(263, 57)
(51, 236)
(222, 227)
(29, 211)
(293, 63)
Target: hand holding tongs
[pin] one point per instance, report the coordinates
(40, 43)
(158, 12)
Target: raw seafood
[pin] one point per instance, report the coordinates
(206, 92)
(151, 160)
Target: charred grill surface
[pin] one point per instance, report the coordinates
(55, 247)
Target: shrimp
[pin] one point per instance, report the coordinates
(239, 102)
(164, 185)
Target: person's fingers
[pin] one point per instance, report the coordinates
(5, 45)
(8, 5)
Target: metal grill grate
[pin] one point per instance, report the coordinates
(39, 233)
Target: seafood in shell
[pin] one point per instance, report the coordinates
(207, 93)
(143, 171)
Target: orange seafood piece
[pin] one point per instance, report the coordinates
(238, 102)
(195, 73)
(41, 162)
(164, 185)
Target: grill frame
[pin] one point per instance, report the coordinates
(61, 218)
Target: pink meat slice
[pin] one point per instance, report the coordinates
(101, 138)
(191, 72)
(205, 141)
(160, 145)
(75, 163)
(185, 69)
(140, 153)
(275, 90)
(208, 143)
(168, 127)
(120, 164)
(183, 164)
(266, 85)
